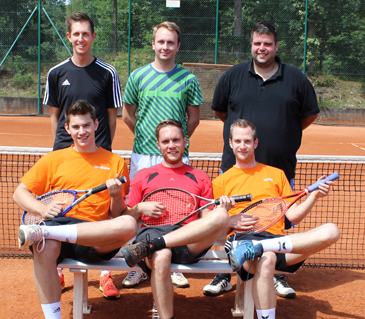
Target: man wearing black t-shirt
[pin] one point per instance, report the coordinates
(280, 101)
(84, 77)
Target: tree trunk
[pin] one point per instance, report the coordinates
(237, 31)
(115, 26)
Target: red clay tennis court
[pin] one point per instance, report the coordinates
(321, 292)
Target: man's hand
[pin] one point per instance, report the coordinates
(151, 209)
(114, 186)
(226, 202)
(242, 222)
(52, 210)
(323, 189)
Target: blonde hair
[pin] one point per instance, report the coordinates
(171, 26)
(242, 123)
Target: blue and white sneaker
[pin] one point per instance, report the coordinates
(241, 251)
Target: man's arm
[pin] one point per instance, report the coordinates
(298, 212)
(112, 120)
(193, 118)
(129, 116)
(306, 121)
(117, 203)
(54, 113)
(221, 115)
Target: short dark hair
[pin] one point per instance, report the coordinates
(168, 122)
(264, 27)
(242, 123)
(79, 17)
(171, 26)
(80, 107)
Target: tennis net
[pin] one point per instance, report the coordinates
(344, 206)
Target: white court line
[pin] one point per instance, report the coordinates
(358, 146)
(25, 134)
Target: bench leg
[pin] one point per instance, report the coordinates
(80, 301)
(243, 304)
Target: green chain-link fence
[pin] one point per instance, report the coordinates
(324, 38)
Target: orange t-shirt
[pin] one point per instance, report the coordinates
(69, 169)
(261, 181)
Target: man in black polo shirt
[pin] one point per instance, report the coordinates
(280, 101)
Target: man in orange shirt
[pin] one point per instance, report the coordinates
(258, 256)
(84, 233)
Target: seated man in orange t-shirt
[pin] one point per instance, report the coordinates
(260, 255)
(84, 233)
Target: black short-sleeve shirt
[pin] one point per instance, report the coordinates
(275, 106)
(97, 83)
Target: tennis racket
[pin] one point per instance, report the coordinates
(270, 210)
(67, 197)
(180, 205)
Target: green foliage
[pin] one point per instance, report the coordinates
(325, 80)
(22, 81)
(20, 64)
(335, 34)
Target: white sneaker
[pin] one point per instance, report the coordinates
(282, 288)
(217, 286)
(31, 234)
(179, 280)
(133, 279)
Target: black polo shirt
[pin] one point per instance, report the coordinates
(275, 106)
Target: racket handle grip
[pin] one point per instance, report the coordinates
(242, 198)
(100, 188)
(331, 177)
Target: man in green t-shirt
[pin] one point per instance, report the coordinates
(158, 91)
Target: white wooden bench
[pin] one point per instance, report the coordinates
(215, 261)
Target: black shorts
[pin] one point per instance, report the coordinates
(82, 253)
(180, 254)
(280, 258)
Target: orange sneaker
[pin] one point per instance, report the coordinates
(107, 287)
(62, 280)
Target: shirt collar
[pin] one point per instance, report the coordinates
(278, 73)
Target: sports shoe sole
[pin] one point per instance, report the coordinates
(21, 238)
(286, 296)
(212, 294)
(108, 297)
(135, 285)
(233, 261)
(181, 286)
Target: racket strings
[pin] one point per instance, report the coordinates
(268, 211)
(65, 197)
(32, 218)
(178, 205)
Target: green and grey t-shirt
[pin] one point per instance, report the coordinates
(160, 96)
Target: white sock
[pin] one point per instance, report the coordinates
(52, 310)
(278, 245)
(104, 272)
(66, 233)
(266, 314)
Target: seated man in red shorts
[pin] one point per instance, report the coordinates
(260, 255)
(183, 244)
